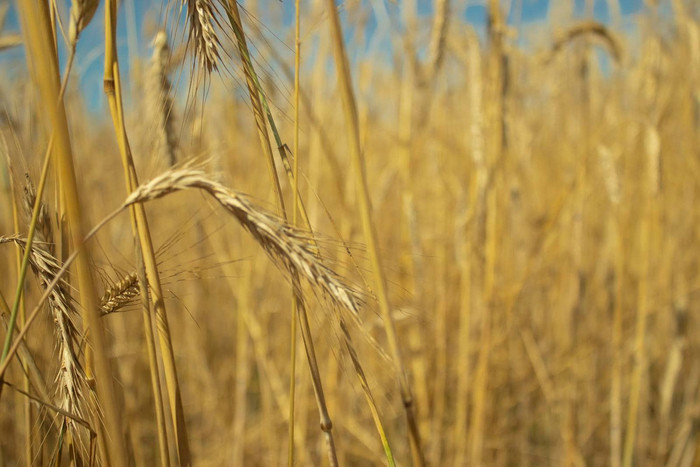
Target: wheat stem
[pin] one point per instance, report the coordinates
(35, 21)
(348, 98)
(146, 254)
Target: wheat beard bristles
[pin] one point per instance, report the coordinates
(289, 247)
(71, 375)
(200, 14)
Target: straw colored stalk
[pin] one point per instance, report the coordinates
(648, 222)
(613, 188)
(25, 356)
(259, 105)
(494, 113)
(36, 26)
(147, 265)
(295, 211)
(468, 237)
(353, 131)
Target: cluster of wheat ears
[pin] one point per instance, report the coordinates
(512, 269)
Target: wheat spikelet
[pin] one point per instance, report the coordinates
(289, 247)
(120, 294)
(200, 14)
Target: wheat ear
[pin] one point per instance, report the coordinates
(289, 247)
(120, 294)
(71, 376)
(200, 14)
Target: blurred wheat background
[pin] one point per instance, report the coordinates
(492, 257)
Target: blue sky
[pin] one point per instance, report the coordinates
(527, 13)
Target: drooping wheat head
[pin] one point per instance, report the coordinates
(289, 247)
(202, 22)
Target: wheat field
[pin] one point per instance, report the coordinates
(359, 233)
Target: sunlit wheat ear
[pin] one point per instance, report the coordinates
(160, 102)
(200, 15)
(71, 376)
(290, 248)
(120, 294)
